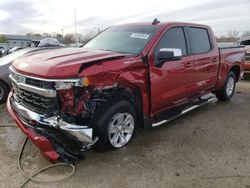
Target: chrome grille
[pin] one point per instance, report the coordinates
(34, 102)
(39, 83)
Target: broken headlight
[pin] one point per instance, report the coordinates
(68, 84)
(63, 85)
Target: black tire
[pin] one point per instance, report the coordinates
(4, 91)
(222, 94)
(102, 118)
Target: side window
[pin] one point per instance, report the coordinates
(173, 38)
(199, 39)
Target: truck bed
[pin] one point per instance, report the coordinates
(231, 54)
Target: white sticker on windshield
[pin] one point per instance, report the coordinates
(139, 35)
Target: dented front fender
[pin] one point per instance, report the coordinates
(127, 72)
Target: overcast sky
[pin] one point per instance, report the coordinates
(38, 16)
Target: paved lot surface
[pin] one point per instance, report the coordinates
(209, 147)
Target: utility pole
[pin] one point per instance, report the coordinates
(62, 32)
(75, 28)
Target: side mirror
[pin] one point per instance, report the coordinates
(168, 54)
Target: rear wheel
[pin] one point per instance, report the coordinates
(114, 124)
(3, 92)
(227, 90)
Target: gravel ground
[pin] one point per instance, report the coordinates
(209, 147)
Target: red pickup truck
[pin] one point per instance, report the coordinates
(134, 75)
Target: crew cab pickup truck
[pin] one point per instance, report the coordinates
(133, 75)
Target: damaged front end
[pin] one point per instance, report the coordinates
(60, 110)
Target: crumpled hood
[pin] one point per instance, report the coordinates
(60, 62)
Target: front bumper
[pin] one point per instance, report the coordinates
(40, 141)
(55, 138)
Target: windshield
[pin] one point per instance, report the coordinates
(123, 39)
(10, 57)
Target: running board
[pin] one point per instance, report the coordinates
(184, 111)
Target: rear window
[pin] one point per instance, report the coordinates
(199, 38)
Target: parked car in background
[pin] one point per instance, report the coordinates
(50, 42)
(142, 74)
(2, 49)
(5, 62)
(10, 50)
(246, 42)
(14, 49)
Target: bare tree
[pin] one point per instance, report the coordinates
(56, 35)
(233, 35)
(246, 34)
(46, 35)
(222, 39)
(83, 38)
(69, 38)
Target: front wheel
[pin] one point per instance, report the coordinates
(227, 90)
(120, 129)
(114, 124)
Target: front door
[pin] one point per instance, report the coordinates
(170, 82)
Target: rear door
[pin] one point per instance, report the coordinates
(170, 83)
(206, 59)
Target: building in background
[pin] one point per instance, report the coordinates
(21, 41)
